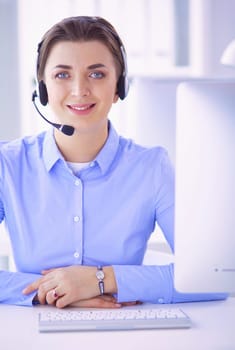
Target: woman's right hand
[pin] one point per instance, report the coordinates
(103, 301)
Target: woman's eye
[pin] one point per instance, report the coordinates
(97, 75)
(62, 75)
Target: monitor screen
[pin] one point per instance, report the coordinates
(205, 187)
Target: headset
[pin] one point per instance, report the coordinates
(122, 84)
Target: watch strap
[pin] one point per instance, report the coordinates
(100, 277)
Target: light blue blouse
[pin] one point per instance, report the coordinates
(103, 215)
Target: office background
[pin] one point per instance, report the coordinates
(167, 42)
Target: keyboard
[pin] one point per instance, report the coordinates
(126, 318)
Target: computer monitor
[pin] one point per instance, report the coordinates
(205, 187)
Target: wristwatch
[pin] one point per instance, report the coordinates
(100, 277)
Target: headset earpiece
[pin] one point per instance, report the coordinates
(43, 96)
(122, 87)
(123, 83)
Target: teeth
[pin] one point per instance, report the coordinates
(83, 108)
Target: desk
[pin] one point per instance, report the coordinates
(213, 329)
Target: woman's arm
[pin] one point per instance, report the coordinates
(78, 285)
(154, 284)
(11, 286)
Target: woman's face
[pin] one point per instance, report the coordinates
(81, 81)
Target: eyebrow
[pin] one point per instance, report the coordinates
(96, 65)
(92, 66)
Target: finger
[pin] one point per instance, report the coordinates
(94, 303)
(33, 286)
(47, 287)
(42, 298)
(45, 272)
(130, 303)
(52, 296)
(108, 297)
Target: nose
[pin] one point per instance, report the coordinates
(80, 87)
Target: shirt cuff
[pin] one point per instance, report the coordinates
(143, 283)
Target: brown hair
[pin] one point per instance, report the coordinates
(81, 28)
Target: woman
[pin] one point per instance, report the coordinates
(79, 201)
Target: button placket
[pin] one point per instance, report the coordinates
(77, 220)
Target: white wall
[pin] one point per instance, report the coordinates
(212, 28)
(9, 73)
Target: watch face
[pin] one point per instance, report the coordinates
(100, 274)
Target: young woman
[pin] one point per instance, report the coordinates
(79, 201)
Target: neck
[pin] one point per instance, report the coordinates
(81, 147)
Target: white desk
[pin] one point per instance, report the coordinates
(213, 329)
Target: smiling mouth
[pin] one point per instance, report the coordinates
(81, 108)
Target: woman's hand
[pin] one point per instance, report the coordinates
(103, 301)
(68, 285)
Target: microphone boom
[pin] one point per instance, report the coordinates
(65, 129)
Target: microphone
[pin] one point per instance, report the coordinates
(65, 129)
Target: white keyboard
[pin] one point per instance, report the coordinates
(126, 318)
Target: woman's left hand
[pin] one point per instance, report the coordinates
(66, 285)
